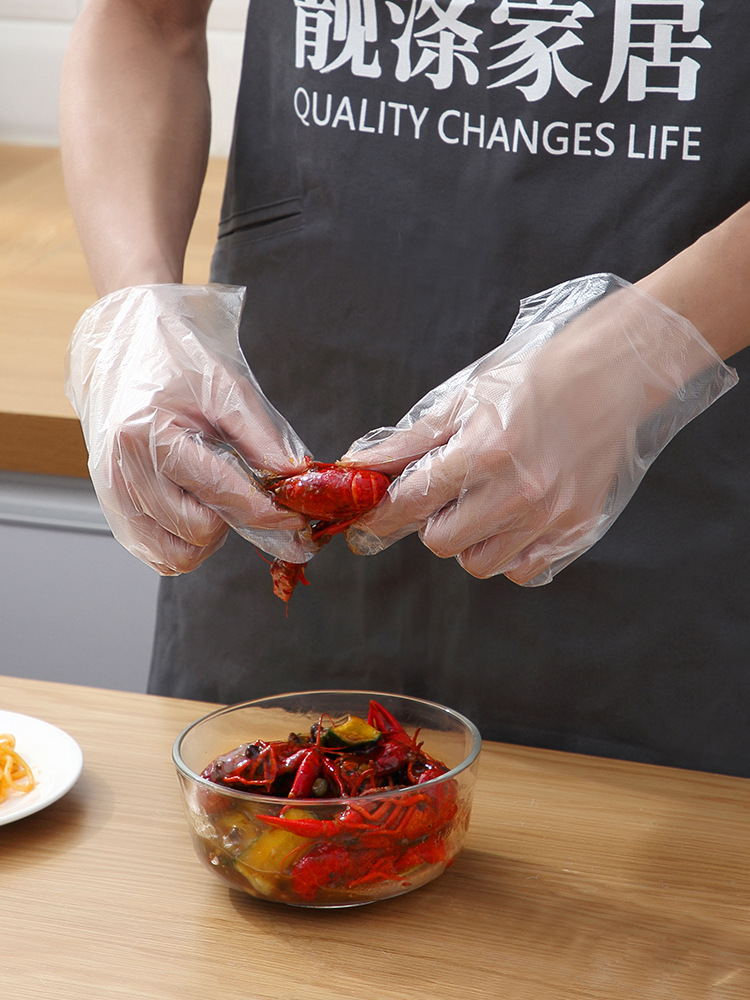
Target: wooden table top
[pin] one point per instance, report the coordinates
(582, 879)
(44, 288)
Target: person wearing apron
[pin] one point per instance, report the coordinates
(402, 174)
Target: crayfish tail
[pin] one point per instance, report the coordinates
(286, 576)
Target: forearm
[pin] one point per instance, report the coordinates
(135, 129)
(709, 284)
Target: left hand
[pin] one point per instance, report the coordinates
(519, 463)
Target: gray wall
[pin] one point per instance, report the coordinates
(74, 605)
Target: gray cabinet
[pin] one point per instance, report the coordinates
(74, 605)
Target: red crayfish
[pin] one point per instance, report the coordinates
(332, 497)
(370, 839)
(367, 844)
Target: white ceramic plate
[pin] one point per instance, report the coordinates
(54, 757)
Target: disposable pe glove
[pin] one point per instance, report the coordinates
(173, 420)
(521, 461)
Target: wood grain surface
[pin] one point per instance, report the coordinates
(44, 288)
(582, 879)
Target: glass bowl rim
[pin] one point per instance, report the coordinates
(187, 772)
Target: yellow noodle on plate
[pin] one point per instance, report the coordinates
(15, 773)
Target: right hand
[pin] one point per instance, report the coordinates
(171, 413)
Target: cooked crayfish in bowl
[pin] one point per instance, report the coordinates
(328, 798)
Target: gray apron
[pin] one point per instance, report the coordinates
(402, 174)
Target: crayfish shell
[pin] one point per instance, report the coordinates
(330, 492)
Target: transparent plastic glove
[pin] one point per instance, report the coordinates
(523, 460)
(173, 420)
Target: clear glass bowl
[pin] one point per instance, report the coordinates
(327, 852)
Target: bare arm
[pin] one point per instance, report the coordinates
(135, 129)
(709, 284)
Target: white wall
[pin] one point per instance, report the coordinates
(33, 36)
